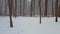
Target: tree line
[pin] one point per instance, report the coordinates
(32, 8)
(25, 8)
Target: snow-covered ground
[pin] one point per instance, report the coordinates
(30, 25)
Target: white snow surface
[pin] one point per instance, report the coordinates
(29, 25)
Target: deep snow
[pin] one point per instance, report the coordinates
(30, 25)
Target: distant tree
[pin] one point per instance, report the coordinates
(34, 7)
(23, 7)
(46, 5)
(1, 5)
(10, 3)
(0, 10)
(56, 10)
(5, 8)
(31, 8)
(40, 9)
(52, 9)
(20, 7)
(15, 8)
(59, 10)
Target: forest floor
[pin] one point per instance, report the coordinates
(29, 25)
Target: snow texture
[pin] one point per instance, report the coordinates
(29, 25)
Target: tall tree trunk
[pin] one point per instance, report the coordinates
(46, 4)
(15, 8)
(10, 2)
(31, 8)
(5, 7)
(56, 10)
(23, 7)
(59, 10)
(34, 8)
(52, 9)
(20, 7)
(40, 9)
(1, 5)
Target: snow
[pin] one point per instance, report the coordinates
(29, 25)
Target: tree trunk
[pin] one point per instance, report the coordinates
(20, 7)
(31, 8)
(59, 10)
(52, 9)
(23, 7)
(10, 2)
(40, 9)
(15, 8)
(34, 8)
(56, 10)
(1, 5)
(46, 4)
(5, 7)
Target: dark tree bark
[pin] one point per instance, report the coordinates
(1, 5)
(23, 7)
(31, 8)
(40, 9)
(56, 11)
(10, 3)
(59, 10)
(34, 7)
(20, 7)
(46, 4)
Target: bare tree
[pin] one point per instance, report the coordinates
(34, 7)
(20, 7)
(1, 5)
(52, 9)
(59, 10)
(40, 9)
(10, 3)
(56, 10)
(46, 4)
(31, 8)
(23, 7)
(5, 7)
(15, 8)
